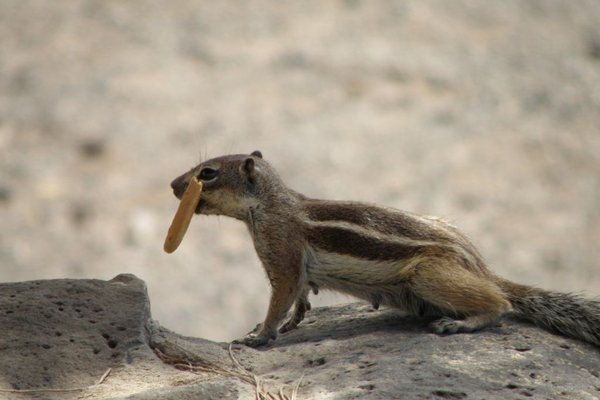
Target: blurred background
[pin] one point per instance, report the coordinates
(484, 113)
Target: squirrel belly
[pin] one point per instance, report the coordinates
(385, 256)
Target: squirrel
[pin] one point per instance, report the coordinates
(419, 264)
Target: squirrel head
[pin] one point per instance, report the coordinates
(231, 184)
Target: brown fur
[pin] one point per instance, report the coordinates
(382, 255)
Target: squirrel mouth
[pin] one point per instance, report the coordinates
(201, 206)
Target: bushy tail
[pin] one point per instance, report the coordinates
(564, 313)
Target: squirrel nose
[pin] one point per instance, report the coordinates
(174, 184)
(178, 185)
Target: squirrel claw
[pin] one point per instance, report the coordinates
(256, 329)
(252, 340)
(449, 325)
(255, 339)
(445, 325)
(288, 326)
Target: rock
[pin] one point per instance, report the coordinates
(482, 112)
(61, 336)
(66, 333)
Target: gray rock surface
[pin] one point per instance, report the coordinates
(59, 332)
(60, 336)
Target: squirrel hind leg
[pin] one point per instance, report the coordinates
(475, 301)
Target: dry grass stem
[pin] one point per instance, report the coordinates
(239, 373)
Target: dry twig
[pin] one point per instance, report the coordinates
(240, 373)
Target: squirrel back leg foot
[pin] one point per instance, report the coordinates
(457, 292)
(448, 325)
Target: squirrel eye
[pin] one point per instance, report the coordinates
(208, 174)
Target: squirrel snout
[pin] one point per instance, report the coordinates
(179, 185)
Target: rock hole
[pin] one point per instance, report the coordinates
(112, 343)
(46, 346)
(121, 328)
(9, 311)
(57, 333)
(368, 364)
(316, 362)
(106, 336)
(96, 350)
(446, 394)
(91, 321)
(523, 348)
(512, 386)
(367, 387)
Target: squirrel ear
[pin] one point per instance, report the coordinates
(257, 153)
(248, 167)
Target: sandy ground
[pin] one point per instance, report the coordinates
(485, 113)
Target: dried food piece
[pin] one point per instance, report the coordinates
(183, 216)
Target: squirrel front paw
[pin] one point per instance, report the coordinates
(255, 339)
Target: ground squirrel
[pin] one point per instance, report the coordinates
(385, 256)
